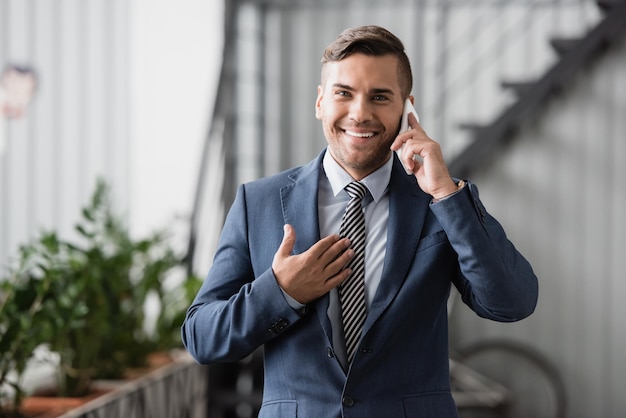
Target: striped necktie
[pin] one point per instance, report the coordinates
(352, 290)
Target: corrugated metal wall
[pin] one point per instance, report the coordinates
(560, 192)
(459, 50)
(77, 126)
(558, 189)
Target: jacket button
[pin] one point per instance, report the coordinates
(329, 352)
(347, 401)
(278, 326)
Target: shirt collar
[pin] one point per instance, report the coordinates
(338, 178)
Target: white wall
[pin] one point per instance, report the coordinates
(126, 93)
(175, 53)
(76, 128)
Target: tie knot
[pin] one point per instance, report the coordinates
(356, 189)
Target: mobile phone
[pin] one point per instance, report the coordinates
(404, 126)
(408, 108)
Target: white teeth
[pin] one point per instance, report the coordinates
(360, 135)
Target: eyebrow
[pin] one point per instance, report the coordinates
(374, 91)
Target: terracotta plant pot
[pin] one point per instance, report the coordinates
(50, 406)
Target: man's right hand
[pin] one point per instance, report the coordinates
(307, 276)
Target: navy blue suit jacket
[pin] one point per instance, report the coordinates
(401, 366)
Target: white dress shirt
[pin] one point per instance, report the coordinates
(332, 202)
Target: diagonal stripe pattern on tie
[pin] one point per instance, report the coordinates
(352, 290)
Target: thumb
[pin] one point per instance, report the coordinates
(289, 240)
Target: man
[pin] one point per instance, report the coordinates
(282, 270)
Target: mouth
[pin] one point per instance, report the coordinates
(360, 134)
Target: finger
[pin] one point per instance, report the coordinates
(409, 156)
(320, 248)
(334, 251)
(405, 137)
(399, 141)
(409, 164)
(339, 262)
(289, 239)
(413, 123)
(417, 165)
(337, 279)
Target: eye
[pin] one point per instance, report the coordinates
(379, 98)
(342, 93)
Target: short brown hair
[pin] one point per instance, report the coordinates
(371, 40)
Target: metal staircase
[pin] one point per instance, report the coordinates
(531, 96)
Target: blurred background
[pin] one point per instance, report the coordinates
(176, 103)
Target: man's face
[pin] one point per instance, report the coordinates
(360, 105)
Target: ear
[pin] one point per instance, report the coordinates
(412, 99)
(318, 103)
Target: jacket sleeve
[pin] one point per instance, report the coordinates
(235, 311)
(494, 279)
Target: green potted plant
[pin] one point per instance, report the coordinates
(90, 295)
(26, 309)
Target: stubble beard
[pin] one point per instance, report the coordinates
(361, 161)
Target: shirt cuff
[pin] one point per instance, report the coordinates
(295, 305)
(459, 186)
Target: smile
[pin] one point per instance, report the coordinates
(360, 134)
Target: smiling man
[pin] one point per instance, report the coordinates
(346, 278)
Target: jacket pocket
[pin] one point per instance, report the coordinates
(432, 240)
(430, 405)
(279, 409)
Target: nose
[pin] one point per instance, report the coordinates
(360, 110)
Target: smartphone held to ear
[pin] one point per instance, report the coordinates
(408, 108)
(404, 126)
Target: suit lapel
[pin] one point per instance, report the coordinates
(408, 206)
(299, 200)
